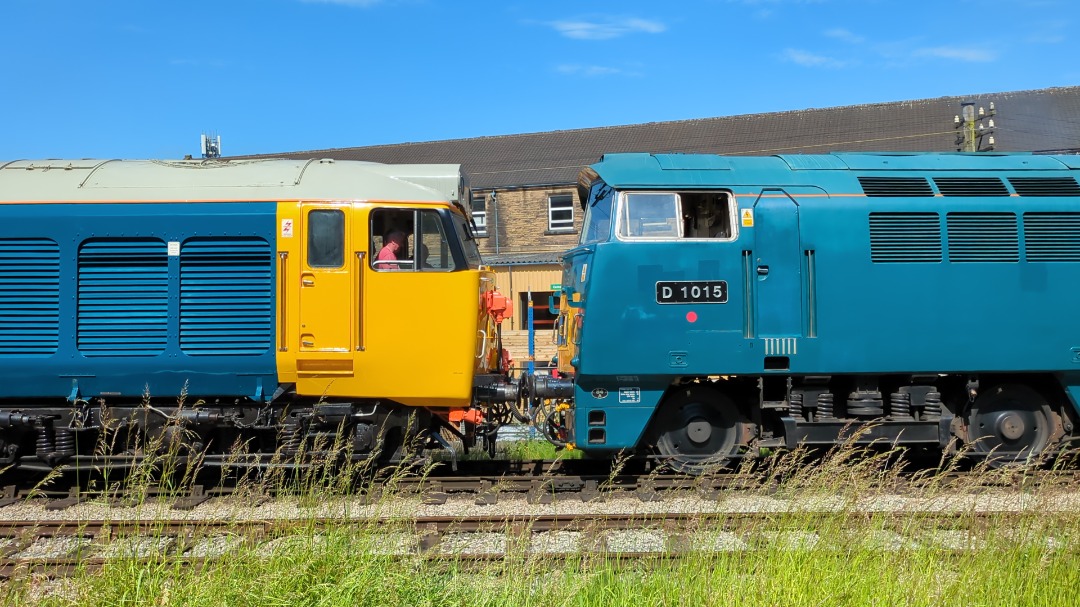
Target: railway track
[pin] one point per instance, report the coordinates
(58, 548)
(539, 481)
(492, 510)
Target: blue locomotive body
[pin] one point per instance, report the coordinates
(210, 308)
(104, 292)
(718, 303)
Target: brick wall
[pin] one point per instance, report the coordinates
(518, 222)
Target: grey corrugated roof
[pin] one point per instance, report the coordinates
(1046, 119)
(194, 180)
(521, 259)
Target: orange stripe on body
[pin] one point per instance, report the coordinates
(226, 201)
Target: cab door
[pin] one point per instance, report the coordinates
(326, 313)
(778, 265)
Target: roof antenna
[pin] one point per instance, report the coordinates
(211, 146)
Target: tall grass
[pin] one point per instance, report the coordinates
(535, 449)
(1013, 565)
(827, 550)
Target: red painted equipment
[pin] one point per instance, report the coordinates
(498, 305)
(472, 416)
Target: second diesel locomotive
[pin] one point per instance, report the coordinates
(720, 305)
(236, 305)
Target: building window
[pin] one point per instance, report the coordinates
(545, 309)
(479, 214)
(561, 212)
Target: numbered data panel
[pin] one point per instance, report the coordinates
(691, 291)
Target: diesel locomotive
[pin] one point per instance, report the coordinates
(718, 307)
(213, 305)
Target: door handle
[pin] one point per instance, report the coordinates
(283, 256)
(308, 282)
(763, 270)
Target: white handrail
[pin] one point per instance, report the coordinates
(483, 344)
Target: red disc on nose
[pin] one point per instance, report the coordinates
(691, 316)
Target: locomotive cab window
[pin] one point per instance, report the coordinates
(461, 234)
(433, 251)
(597, 225)
(666, 215)
(413, 240)
(326, 238)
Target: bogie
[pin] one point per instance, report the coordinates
(704, 424)
(697, 427)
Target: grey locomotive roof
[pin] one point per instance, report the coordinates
(195, 180)
(1039, 120)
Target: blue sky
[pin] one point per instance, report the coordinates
(144, 78)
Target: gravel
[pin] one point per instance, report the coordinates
(393, 540)
(889, 541)
(723, 541)
(397, 543)
(57, 547)
(473, 543)
(212, 546)
(635, 540)
(792, 540)
(557, 542)
(231, 509)
(136, 547)
(291, 543)
(952, 539)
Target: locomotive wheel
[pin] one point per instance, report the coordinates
(698, 429)
(1011, 424)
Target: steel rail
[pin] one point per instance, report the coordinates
(426, 537)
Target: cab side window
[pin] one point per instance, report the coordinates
(650, 215)
(667, 215)
(433, 253)
(707, 215)
(391, 245)
(410, 240)
(326, 238)
(597, 225)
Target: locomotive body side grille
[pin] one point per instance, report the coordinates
(1045, 186)
(878, 187)
(29, 296)
(983, 237)
(781, 346)
(226, 303)
(971, 186)
(905, 237)
(123, 306)
(1052, 236)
